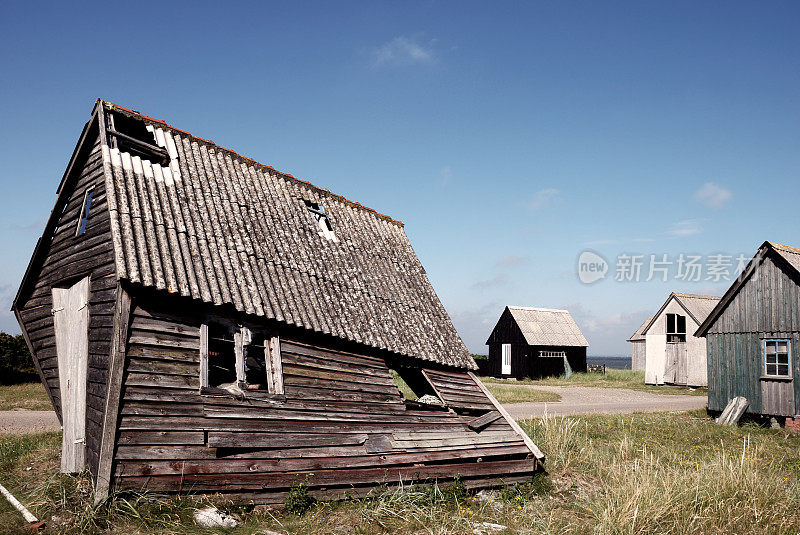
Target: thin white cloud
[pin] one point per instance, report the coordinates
(475, 324)
(687, 227)
(445, 176)
(511, 260)
(597, 243)
(543, 197)
(35, 225)
(497, 280)
(712, 195)
(404, 50)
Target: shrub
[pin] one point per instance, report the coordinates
(520, 493)
(298, 500)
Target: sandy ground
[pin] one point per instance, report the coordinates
(588, 400)
(574, 400)
(22, 421)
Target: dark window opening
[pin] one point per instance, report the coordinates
(131, 135)
(413, 385)
(776, 358)
(255, 362)
(318, 212)
(676, 328)
(85, 208)
(221, 355)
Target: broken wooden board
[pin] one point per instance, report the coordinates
(733, 411)
(476, 424)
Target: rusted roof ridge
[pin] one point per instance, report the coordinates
(281, 174)
(787, 248)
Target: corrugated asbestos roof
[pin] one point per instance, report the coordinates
(639, 334)
(790, 254)
(548, 327)
(221, 228)
(699, 306)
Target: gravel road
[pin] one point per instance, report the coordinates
(22, 421)
(588, 400)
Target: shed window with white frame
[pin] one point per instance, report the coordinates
(776, 358)
(506, 354)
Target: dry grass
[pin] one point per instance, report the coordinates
(509, 393)
(30, 396)
(653, 473)
(632, 380)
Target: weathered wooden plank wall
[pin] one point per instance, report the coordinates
(766, 306)
(65, 259)
(637, 355)
(343, 423)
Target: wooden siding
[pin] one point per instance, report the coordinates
(767, 302)
(342, 423)
(65, 259)
(525, 362)
(766, 306)
(735, 367)
(637, 355)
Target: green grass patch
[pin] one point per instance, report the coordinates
(511, 393)
(632, 380)
(642, 473)
(30, 396)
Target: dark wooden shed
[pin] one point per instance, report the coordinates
(204, 323)
(536, 342)
(753, 336)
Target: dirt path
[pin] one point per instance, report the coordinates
(23, 421)
(588, 400)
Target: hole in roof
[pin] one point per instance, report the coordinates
(133, 136)
(317, 211)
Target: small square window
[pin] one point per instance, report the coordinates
(676, 328)
(85, 208)
(237, 359)
(776, 358)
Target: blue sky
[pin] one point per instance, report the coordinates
(508, 139)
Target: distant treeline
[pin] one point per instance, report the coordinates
(16, 364)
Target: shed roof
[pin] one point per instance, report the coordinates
(547, 326)
(697, 306)
(639, 334)
(791, 257)
(224, 229)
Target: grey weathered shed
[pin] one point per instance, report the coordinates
(205, 323)
(673, 354)
(533, 342)
(753, 335)
(637, 341)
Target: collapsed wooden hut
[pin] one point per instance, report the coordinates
(204, 323)
(638, 346)
(753, 336)
(536, 342)
(674, 355)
